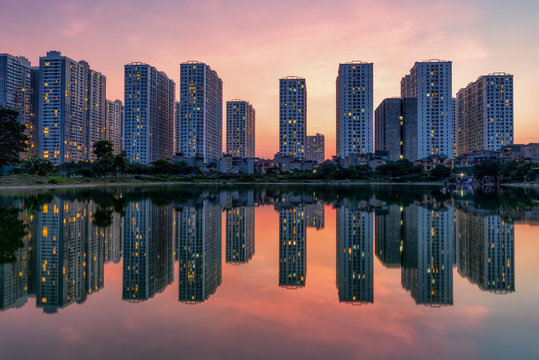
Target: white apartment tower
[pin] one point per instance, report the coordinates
(485, 110)
(71, 109)
(292, 116)
(199, 119)
(354, 108)
(240, 129)
(430, 82)
(17, 91)
(148, 114)
(114, 124)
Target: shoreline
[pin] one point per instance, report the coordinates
(154, 183)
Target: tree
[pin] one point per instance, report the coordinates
(38, 166)
(12, 137)
(162, 167)
(440, 172)
(120, 163)
(104, 151)
(487, 168)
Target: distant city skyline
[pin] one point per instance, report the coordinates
(466, 36)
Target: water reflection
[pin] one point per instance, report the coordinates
(354, 253)
(68, 238)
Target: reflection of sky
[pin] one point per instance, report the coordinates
(264, 40)
(251, 317)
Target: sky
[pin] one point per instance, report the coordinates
(253, 43)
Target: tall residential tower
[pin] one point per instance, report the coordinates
(430, 83)
(148, 114)
(199, 116)
(485, 113)
(354, 108)
(240, 129)
(292, 116)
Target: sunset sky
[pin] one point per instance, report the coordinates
(252, 43)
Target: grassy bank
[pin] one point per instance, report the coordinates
(27, 181)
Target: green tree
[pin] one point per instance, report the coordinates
(13, 141)
(104, 151)
(440, 172)
(487, 168)
(162, 167)
(37, 166)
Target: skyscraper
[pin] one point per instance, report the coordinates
(148, 114)
(485, 110)
(292, 116)
(430, 83)
(455, 110)
(240, 234)
(396, 128)
(354, 254)
(240, 129)
(199, 251)
(71, 109)
(315, 148)
(114, 124)
(17, 91)
(199, 121)
(354, 108)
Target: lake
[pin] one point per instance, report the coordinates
(269, 271)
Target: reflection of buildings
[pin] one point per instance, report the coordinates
(486, 251)
(69, 255)
(240, 234)
(428, 255)
(199, 251)
(14, 276)
(113, 239)
(354, 255)
(389, 235)
(292, 247)
(147, 250)
(314, 215)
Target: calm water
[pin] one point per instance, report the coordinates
(269, 272)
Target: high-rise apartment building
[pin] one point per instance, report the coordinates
(315, 148)
(396, 128)
(240, 129)
(454, 133)
(17, 91)
(148, 114)
(430, 83)
(292, 117)
(71, 109)
(354, 108)
(485, 110)
(114, 124)
(199, 119)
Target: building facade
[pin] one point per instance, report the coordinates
(430, 82)
(292, 116)
(199, 119)
(71, 109)
(148, 114)
(315, 148)
(240, 129)
(114, 124)
(485, 110)
(354, 108)
(17, 91)
(396, 128)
